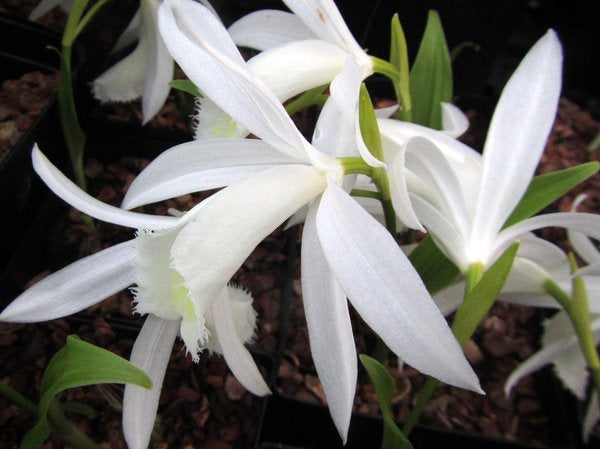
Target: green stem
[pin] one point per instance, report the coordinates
(311, 97)
(366, 194)
(65, 429)
(356, 166)
(14, 396)
(422, 399)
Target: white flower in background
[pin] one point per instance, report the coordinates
(300, 51)
(346, 252)
(463, 199)
(45, 6)
(221, 323)
(145, 72)
(560, 345)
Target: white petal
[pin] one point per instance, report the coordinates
(545, 356)
(124, 81)
(454, 121)
(329, 328)
(236, 355)
(387, 292)
(592, 415)
(160, 66)
(569, 366)
(586, 223)
(131, 33)
(75, 287)
(513, 146)
(201, 165)
(386, 112)
(42, 8)
(69, 192)
(203, 49)
(449, 299)
(234, 221)
(268, 28)
(399, 191)
(151, 352)
(446, 236)
(339, 114)
(325, 20)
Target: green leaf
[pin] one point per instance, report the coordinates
(431, 75)
(478, 302)
(368, 124)
(79, 364)
(311, 97)
(185, 86)
(385, 387)
(434, 268)
(399, 59)
(545, 189)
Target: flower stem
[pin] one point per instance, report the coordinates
(14, 396)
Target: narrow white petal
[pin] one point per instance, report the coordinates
(427, 161)
(592, 415)
(201, 165)
(399, 191)
(443, 231)
(236, 355)
(42, 8)
(234, 221)
(384, 288)
(329, 328)
(203, 49)
(69, 192)
(131, 33)
(160, 67)
(268, 28)
(454, 121)
(325, 20)
(75, 287)
(151, 352)
(586, 223)
(513, 147)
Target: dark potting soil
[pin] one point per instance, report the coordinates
(21, 101)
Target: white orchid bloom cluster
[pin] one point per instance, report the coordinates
(181, 267)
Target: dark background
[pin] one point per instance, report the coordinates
(503, 29)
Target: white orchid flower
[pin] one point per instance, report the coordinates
(464, 200)
(45, 6)
(300, 50)
(222, 324)
(357, 257)
(145, 72)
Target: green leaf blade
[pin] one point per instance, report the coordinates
(385, 387)
(547, 188)
(186, 86)
(434, 268)
(79, 364)
(431, 75)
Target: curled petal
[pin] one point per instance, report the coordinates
(75, 287)
(69, 192)
(151, 352)
(43, 7)
(383, 287)
(131, 33)
(592, 415)
(454, 121)
(328, 322)
(268, 28)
